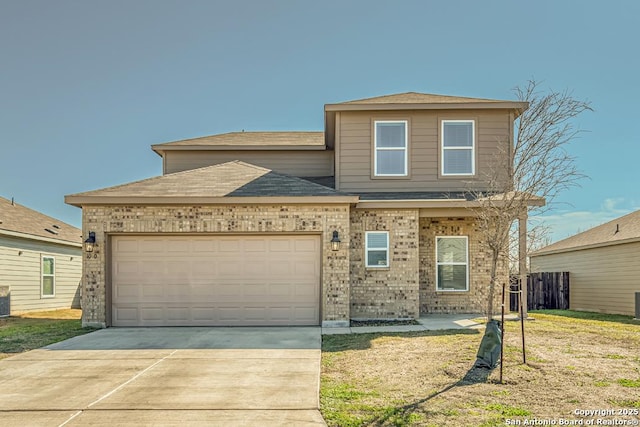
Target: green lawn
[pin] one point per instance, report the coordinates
(574, 361)
(35, 330)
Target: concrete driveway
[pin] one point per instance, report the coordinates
(167, 376)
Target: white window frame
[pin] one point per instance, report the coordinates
(43, 275)
(472, 148)
(466, 263)
(405, 149)
(367, 249)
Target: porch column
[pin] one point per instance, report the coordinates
(522, 259)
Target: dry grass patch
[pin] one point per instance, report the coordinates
(426, 378)
(34, 330)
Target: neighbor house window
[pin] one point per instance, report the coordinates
(48, 276)
(458, 147)
(377, 248)
(390, 140)
(452, 261)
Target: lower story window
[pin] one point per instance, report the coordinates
(48, 276)
(377, 248)
(452, 259)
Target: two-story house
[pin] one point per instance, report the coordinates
(369, 219)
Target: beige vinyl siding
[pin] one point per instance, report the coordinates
(355, 144)
(601, 279)
(305, 163)
(22, 272)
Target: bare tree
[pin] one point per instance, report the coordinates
(523, 177)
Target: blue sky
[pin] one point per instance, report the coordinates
(87, 86)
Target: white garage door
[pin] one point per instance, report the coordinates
(215, 280)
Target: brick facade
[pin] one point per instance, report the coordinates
(107, 220)
(388, 293)
(472, 301)
(405, 289)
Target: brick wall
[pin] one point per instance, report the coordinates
(473, 301)
(105, 220)
(389, 293)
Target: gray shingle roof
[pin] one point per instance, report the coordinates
(20, 219)
(419, 98)
(254, 140)
(231, 179)
(619, 230)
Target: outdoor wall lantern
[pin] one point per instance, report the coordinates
(335, 241)
(90, 242)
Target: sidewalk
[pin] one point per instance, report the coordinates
(429, 322)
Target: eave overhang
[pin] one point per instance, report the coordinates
(584, 247)
(160, 149)
(80, 201)
(39, 238)
(519, 107)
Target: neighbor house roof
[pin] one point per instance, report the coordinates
(231, 182)
(416, 100)
(19, 221)
(249, 141)
(625, 229)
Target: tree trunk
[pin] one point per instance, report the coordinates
(492, 284)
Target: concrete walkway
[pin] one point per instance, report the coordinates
(430, 322)
(167, 376)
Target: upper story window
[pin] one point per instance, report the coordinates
(458, 147)
(48, 276)
(391, 154)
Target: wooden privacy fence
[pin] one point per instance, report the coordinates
(544, 291)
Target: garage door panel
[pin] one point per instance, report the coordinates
(255, 244)
(229, 267)
(280, 245)
(126, 245)
(178, 314)
(304, 290)
(232, 314)
(151, 246)
(279, 290)
(254, 291)
(203, 314)
(306, 245)
(215, 280)
(305, 269)
(309, 313)
(127, 267)
(179, 246)
(280, 268)
(127, 291)
(153, 292)
(126, 314)
(255, 269)
(227, 245)
(150, 267)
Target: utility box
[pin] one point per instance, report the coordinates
(5, 300)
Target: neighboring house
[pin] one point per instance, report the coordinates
(40, 259)
(603, 265)
(242, 228)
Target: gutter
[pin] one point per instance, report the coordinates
(584, 247)
(39, 238)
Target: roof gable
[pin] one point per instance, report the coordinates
(211, 184)
(21, 221)
(620, 230)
